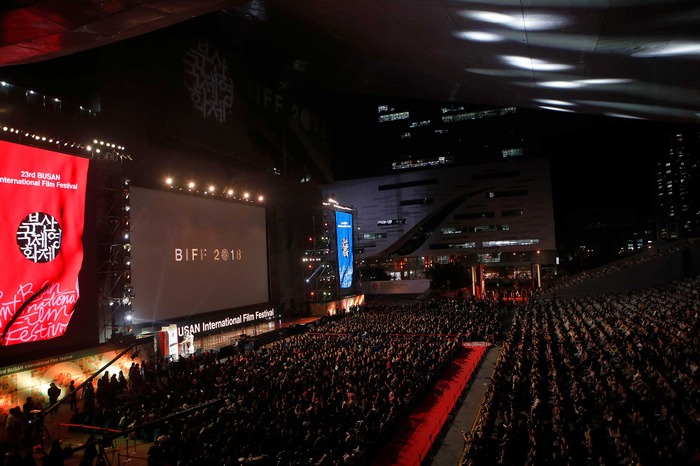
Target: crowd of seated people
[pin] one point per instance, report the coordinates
(469, 319)
(331, 396)
(606, 380)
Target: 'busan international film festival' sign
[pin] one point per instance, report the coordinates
(41, 229)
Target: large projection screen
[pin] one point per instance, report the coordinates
(343, 225)
(192, 255)
(42, 215)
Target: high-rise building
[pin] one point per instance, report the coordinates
(678, 187)
(410, 135)
(446, 184)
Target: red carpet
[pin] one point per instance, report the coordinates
(411, 443)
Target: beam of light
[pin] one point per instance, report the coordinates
(622, 115)
(499, 72)
(665, 49)
(561, 103)
(601, 81)
(534, 64)
(588, 4)
(515, 20)
(639, 108)
(560, 84)
(479, 36)
(487, 16)
(556, 109)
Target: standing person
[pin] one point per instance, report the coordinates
(14, 426)
(89, 399)
(28, 407)
(73, 395)
(54, 392)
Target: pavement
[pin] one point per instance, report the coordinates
(448, 450)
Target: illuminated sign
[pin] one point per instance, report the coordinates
(41, 229)
(343, 225)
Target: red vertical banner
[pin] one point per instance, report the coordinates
(478, 281)
(42, 210)
(163, 343)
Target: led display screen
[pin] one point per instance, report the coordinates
(192, 255)
(343, 226)
(42, 215)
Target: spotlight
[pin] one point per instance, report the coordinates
(169, 181)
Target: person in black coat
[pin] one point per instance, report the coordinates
(54, 392)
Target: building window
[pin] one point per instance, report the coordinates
(422, 201)
(467, 245)
(393, 117)
(474, 229)
(371, 236)
(403, 165)
(512, 213)
(393, 221)
(477, 115)
(418, 124)
(481, 228)
(514, 152)
(513, 242)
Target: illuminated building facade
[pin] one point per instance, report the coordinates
(497, 214)
(450, 184)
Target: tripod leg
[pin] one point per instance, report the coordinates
(102, 459)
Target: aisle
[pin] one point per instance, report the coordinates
(412, 442)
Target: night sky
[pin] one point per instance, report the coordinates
(601, 162)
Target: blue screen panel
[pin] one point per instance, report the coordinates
(343, 226)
